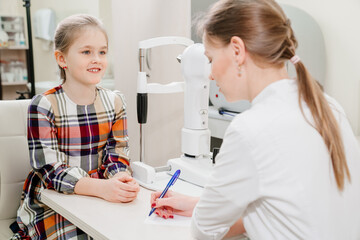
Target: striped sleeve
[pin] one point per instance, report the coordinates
(45, 158)
(117, 146)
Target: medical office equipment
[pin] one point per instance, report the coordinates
(195, 162)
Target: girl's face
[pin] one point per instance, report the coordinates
(225, 71)
(86, 57)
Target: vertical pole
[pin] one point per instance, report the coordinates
(0, 79)
(29, 52)
(142, 53)
(142, 144)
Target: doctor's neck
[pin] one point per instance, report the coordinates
(259, 78)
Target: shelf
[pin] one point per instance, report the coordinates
(14, 83)
(13, 57)
(14, 48)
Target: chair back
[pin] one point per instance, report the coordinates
(14, 155)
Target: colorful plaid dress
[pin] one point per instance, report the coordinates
(67, 142)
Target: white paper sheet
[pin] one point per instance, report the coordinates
(180, 186)
(176, 221)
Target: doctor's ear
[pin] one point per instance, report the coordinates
(238, 47)
(60, 58)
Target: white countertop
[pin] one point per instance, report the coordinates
(106, 220)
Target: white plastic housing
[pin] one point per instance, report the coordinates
(195, 69)
(143, 173)
(142, 82)
(196, 171)
(195, 142)
(172, 87)
(161, 41)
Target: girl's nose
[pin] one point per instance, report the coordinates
(96, 58)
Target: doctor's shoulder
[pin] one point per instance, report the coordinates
(252, 121)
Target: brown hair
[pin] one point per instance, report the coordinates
(69, 29)
(270, 40)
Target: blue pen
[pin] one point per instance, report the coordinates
(171, 182)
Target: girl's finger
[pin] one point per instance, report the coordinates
(128, 187)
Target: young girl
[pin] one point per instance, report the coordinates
(77, 134)
(289, 167)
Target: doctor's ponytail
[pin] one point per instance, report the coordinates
(270, 41)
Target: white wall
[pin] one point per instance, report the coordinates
(134, 21)
(340, 23)
(12, 8)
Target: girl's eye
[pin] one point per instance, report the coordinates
(86, 52)
(102, 52)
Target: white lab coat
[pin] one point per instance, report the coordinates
(274, 171)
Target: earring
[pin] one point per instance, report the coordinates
(64, 67)
(239, 71)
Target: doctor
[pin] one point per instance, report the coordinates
(289, 167)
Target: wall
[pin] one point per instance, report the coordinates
(134, 21)
(339, 22)
(198, 7)
(12, 8)
(106, 17)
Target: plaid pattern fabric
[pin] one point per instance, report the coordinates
(67, 142)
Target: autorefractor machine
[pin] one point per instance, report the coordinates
(195, 162)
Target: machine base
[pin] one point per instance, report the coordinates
(194, 170)
(148, 178)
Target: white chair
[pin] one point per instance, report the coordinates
(14, 160)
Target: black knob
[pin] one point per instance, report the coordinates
(215, 152)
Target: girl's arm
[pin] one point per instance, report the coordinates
(119, 186)
(45, 158)
(117, 146)
(117, 189)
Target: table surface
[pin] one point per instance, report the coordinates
(105, 220)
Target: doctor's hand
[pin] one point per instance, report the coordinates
(120, 188)
(173, 203)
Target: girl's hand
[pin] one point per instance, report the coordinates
(173, 203)
(120, 188)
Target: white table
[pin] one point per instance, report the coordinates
(105, 220)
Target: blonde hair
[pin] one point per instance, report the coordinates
(69, 29)
(270, 40)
